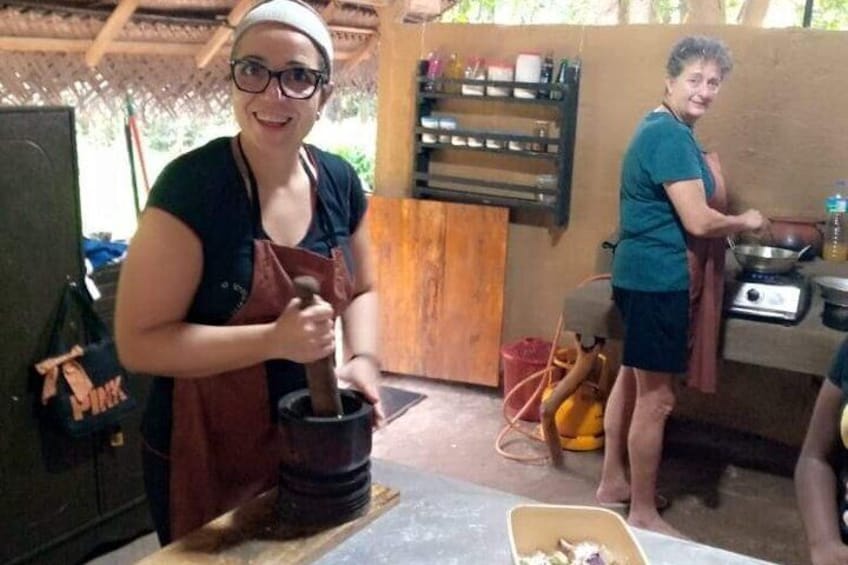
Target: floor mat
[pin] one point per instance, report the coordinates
(396, 401)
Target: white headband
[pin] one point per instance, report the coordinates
(295, 14)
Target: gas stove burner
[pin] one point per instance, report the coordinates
(791, 277)
(776, 297)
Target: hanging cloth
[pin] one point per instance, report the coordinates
(706, 291)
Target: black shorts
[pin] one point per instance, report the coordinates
(656, 329)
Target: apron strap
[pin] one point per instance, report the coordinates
(309, 166)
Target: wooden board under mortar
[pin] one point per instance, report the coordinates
(252, 534)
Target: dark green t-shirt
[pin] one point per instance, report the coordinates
(651, 252)
(205, 190)
(838, 375)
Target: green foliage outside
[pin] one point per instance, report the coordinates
(362, 163)
(827, 14)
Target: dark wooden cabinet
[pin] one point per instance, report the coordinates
(61, 497)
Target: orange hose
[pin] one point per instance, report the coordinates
(544, 377)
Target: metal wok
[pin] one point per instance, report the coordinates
(765, 259)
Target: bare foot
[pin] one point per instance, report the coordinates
(658, 525)
(613, 492)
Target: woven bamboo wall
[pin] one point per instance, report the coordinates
(169, 85)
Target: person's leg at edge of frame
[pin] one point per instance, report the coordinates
(654, 402)
(614, 486)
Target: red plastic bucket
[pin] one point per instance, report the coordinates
(520, 360)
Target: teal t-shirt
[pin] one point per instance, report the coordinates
(651, 252)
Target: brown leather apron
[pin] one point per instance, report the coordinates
(224, 446)
(706, 292)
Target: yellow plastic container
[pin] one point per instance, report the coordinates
(580, 418)
(538, 527)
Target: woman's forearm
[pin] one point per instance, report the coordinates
(716, 224)
(701, 220)
(360, 325)
(194, 350)
(815, 486)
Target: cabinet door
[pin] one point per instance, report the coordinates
(119, 470)
(440, 270)
(47, 483)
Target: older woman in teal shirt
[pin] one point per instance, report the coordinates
(665, 187)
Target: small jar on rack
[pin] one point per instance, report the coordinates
(453, 71)
(499, 71)
(540, 130)
(528, 68)
(475, 69)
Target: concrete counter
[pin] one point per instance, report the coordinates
(806, 347)
(446, 521)
(437, 520)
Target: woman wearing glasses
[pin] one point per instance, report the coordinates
(206, 298)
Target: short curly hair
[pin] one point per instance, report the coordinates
(697, 48)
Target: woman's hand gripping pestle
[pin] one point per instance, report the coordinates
(323, 390)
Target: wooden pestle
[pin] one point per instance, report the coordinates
(323, 390)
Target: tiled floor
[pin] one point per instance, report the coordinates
(726, 489)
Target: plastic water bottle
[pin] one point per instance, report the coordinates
(835, 246)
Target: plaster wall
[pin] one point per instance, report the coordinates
(779, 126)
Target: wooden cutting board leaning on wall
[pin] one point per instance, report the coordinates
(440, 276)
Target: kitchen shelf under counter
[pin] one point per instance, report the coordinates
(805, 347)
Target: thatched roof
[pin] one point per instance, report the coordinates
(168, 55)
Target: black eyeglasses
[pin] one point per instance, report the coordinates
(295, 82)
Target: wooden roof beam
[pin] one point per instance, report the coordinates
(394, 11)
(353, 30)
(52, 45)
(705, 12)
(362, 54)
(753, 12)
(329, 11)
(222, 34)
(369, 3)
(122, 13)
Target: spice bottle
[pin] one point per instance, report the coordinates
(546, 76)
(540, 130)
(434, 71)
(475, 69)
(558, 94)
(528, 69)
(453, 71)
(499, 71)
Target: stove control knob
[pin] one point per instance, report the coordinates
(753, 294)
